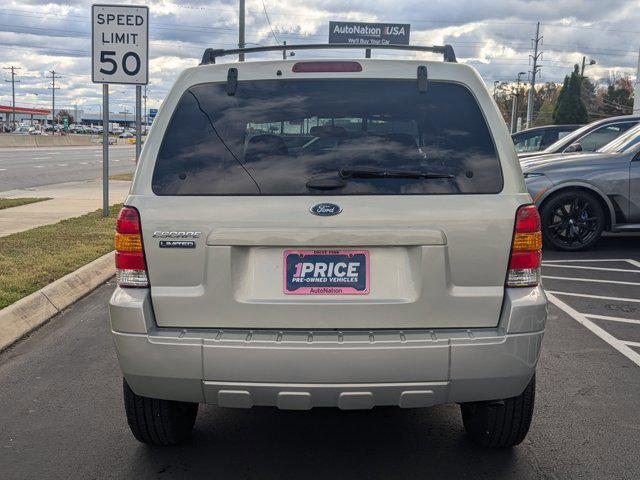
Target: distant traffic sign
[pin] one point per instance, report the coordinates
(357, 33)
(153, 112)
(120, 44)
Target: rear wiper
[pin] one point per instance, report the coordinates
(370, 173)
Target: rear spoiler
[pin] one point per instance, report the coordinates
(210, 54)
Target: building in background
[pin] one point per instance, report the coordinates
(24, 115)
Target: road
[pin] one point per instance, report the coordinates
(62, 414)
(34, 167)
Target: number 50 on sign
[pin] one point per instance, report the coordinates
(120, 44)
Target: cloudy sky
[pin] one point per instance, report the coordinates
(494, 36)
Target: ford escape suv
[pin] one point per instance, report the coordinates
(335, 233)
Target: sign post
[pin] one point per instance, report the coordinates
(138, 121)
(105, 149)
(120, 55)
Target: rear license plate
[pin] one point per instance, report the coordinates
(326, 272)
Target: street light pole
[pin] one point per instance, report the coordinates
(584, 60)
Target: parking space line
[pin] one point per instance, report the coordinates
(612, 319)
(635, 263)
(632, 344)
(620, 346)
(595, 280)
(599, 297)
(601, 269)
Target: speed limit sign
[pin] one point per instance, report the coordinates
(120, 38)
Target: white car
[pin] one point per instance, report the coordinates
(346, 233)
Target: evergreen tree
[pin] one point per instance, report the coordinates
(545, 114)
(571, 107)
(618, 98)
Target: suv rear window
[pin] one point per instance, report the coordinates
(311, 137)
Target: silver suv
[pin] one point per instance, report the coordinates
(335, 233)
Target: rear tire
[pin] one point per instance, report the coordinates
(572, 220)
(500, 424)
(158, 422)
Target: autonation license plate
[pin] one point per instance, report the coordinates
(326, 272)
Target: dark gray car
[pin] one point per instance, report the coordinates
(589, 138)
(581, 195)
(536, 139)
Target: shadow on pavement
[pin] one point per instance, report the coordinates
(328, 443)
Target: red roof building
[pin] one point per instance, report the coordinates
(24, 111)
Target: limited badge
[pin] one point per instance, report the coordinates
(177, 244)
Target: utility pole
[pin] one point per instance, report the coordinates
(13, 92)
(534, 72)
(636, 90)
(514, 105)
(241, 30)
(53, 87)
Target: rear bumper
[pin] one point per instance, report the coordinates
(350, 369)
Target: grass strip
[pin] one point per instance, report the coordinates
(121, 176)
(34, 258)
(16, 202)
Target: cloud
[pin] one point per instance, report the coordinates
(493, 36)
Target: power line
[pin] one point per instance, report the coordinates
(264, 7)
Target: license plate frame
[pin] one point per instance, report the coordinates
(333, 285)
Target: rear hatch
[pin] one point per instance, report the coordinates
(327, 203)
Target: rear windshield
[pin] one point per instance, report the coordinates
(312, 137)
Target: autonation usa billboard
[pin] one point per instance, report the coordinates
(369, 33)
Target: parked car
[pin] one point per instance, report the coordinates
(539, 138)
(21, 130)
(580, 196)
(589, 138)
(126, 134)
(395, 261)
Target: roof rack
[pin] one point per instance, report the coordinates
(210, 54)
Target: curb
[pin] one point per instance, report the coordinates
(30, 312)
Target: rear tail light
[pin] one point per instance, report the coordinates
(526, 249)
(333, 66)
(131, 267)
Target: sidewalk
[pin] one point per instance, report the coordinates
(68, 200)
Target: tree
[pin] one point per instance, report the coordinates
(571, 107)
(62, 114)
(545, 114)
(617, 98)
(590, 97)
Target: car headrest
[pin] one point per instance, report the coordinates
(266, 145)
(327, 131)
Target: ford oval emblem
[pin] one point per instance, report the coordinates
(325, 209)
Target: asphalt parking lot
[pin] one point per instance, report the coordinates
(62, 414)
